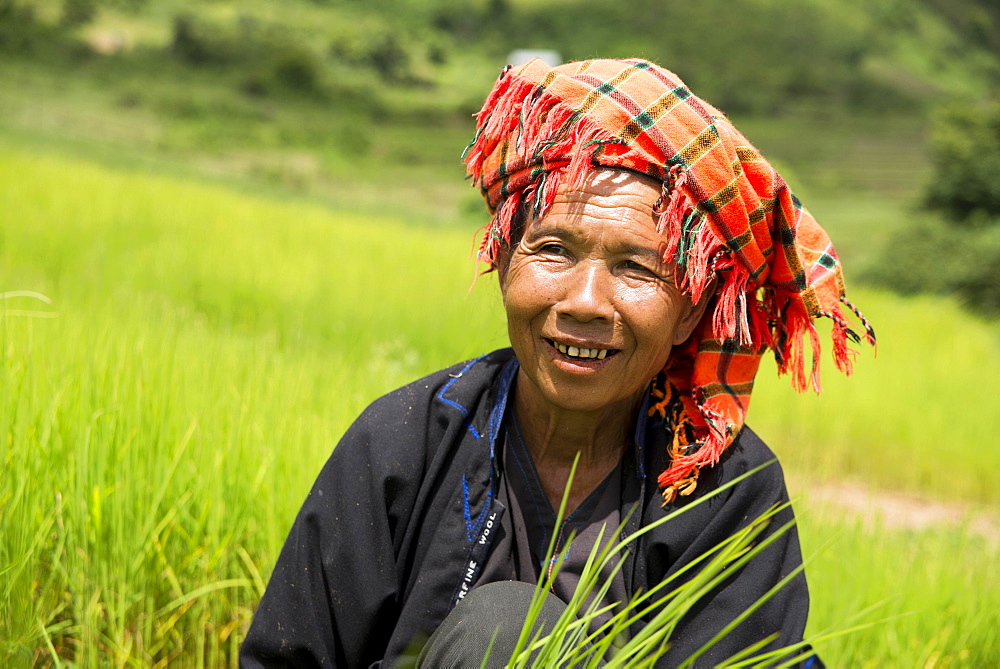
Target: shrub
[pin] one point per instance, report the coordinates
(22, 32)
(199, 42)
(385, 49)
(78, 12)
(966, 156)
(955, 247)
(270, 56)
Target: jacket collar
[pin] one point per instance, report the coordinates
(504, 387)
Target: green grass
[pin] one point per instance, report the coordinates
(196, 332)
(916, 416)
(936, 589)
(163, 418)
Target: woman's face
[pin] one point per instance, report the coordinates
(592, 310)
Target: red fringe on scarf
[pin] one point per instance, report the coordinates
(548, 132)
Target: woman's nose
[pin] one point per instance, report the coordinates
(587, 293)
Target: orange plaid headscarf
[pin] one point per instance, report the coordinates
(724, 213)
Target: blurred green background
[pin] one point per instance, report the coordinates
(225, 227)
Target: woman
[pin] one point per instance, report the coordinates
(647, 256)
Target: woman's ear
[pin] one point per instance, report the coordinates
(694, 315)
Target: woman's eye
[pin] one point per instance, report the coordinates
(634, 266)
(552, 247)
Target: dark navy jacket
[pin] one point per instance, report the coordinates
(400, 520)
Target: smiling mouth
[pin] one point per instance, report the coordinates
(577, 353)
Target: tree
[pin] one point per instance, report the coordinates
(955, 247)
(966, 155)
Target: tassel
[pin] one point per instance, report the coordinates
(499, 90)
(499, 229)
(760, 330)
(535, 124)
(698, 270)
(816, 350)
(707, 455)
(547, 134)
(686, 241)
(500, 115)
(842, 353)
(732, 308)
(792, 321)
(869, 331)
(674, 203)
(673, 239)
(790, 346)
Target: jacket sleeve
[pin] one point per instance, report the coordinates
(707, 525)
(332, 600)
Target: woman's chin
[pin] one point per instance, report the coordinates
(584, 392)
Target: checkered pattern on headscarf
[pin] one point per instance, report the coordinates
(725, 213)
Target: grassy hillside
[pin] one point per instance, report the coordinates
(329, 96)
(749, 55)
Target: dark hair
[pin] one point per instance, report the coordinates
(517, 225)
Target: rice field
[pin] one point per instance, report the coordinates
(178, 360)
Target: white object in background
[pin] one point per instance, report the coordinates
(522, 56)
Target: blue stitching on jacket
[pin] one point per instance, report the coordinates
(496, 415)
(452, 403)
(472, 529)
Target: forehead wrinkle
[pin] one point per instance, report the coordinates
(610, 187)
(577, 227)
(577, 212)
(576, 202)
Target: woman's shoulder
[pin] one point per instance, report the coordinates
(751, 451)
(459, 387)
(421, 416)
(748, 453)
(422, 427)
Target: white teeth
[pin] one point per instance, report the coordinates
(574, 351)
(604, 352)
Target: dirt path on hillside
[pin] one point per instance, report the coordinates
(896, 510)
